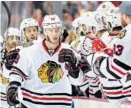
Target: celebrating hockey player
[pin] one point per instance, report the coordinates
(42, 68)
(12, 40)
(118, 66)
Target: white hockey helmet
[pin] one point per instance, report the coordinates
(11, 31)
(105, 6)
(51, 21)
(87, 19)
(116, 19)
(28, 22)
(75, 25)
(107, 15)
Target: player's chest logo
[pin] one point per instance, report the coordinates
(50, 72)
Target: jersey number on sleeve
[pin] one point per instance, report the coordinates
(118, 49)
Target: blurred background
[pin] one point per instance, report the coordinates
(66, 10)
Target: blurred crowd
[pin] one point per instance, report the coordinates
(66, 10)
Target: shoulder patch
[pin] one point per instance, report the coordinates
(122, 34)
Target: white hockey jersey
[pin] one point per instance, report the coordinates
(4, 81)
(47, 81)
(119, 65)
(116, 68)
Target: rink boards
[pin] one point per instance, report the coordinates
(83, 102)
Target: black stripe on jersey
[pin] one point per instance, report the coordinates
(117, 97)
(111, 73)
(94, 86)
(11, 73)
(51, 94)
(13, 67)
(122, 65)
(84, 84)
(127, 87)
(127, 95)
(112, 88)
(2, 93)
(101, 74)
(3, 100)
(44, 103)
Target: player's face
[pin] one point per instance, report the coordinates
(31, 33)
(53, 34)
(13, 41)
(84, 27)
(123, 23)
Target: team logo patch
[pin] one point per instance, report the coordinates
(122, 34)
(4, 80)
(50, 72)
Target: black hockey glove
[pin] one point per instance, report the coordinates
(12, 93)
(12, 56)
(68, 57)
(84, 65)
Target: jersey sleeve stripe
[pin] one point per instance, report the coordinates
(110, 71)
(18, 73)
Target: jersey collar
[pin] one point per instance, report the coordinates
(47, 50)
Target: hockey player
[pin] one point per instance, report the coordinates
(43, 65)
(118, 66)
(90, 45)
(12, 40)
(29, 29)
(29, 32)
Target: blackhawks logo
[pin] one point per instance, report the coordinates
(50, 72)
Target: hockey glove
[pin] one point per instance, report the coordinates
(108, 51)
(12, 57)
(12, 93)
(84, 65)
(68, 57)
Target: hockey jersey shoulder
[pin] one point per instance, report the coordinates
(125, 33)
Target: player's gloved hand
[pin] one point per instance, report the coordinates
(84, 65)
(12, 93)
(68, 57)
(12, 57)
(97, 64)
(108, 51)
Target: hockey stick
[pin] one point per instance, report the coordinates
(4, 43)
